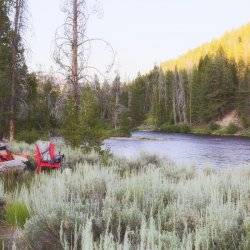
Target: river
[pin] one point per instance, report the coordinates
(185, 149)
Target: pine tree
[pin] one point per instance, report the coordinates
(5, 61)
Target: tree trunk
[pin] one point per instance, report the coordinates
(14, 52)
(173, 103)
(116, 110)
(180, 99)
(75, 80)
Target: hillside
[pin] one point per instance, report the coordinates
(235, 43)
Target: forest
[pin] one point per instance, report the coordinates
(189, 94)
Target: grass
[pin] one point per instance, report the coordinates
(138, 204)
(16, 214)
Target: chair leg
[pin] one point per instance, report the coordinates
(38, 170)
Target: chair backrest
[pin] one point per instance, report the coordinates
(45, 151)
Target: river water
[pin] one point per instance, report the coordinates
(185, 149)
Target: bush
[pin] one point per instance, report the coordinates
(168, 128)
(16, 214)
(138, 204)
(30, 136)
(231, 129)
(213, 126)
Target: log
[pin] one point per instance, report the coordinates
(17, 165)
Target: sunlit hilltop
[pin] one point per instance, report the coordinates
(235, 43)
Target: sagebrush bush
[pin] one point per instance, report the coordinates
(145, 203)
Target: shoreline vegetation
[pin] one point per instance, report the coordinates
(103, 202)
(230, 130)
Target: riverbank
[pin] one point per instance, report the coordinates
(212, 129)
(146, 203)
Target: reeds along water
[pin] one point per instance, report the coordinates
(141, 204)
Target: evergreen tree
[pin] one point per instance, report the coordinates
(136, 105)
(85, 129)
(5, 61)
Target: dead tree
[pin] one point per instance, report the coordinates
(179, 99)
(18, 7)
(73, 48)
(117, 92)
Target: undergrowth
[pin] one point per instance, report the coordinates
(146, 203)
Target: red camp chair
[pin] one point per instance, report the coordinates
(5, 154)
(41, 164)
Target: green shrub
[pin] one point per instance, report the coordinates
(213, 126)
(183, 128)
(245, 121)
(30, 136)
(201, 130)
(16, 214)
(231, 129)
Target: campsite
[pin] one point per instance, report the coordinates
(124, 125)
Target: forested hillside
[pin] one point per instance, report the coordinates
(235, 44)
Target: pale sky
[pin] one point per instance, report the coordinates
(142, 32)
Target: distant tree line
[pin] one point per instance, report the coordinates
(204, 94)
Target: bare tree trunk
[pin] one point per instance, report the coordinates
(179, 98)
(75, 80)
(190, 102)
(129, 100)
(116, 111)
(73, 48)
(174, 103)
(117, 89)
(14, 50)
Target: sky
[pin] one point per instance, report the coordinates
(142, 32)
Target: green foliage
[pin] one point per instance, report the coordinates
(182, 128)
(203, 130)
(231, 129)
(125, 124)
(31, 136)
(5, 62)
(213, 126)
(83, 127)
(16, 214)
(214, 88)
(138, 101)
